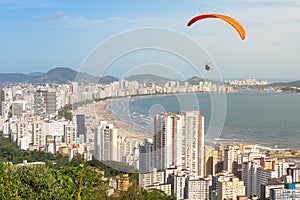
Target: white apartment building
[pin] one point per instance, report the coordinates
(70, 134)
(179, 141)
(295, 173)
(197, 188)
(231, 159)
(257, 174)
(230, 189)
(152, 177)
(106, 142)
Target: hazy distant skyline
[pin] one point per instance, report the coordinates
(38, 35)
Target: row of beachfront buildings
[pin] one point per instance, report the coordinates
(46, 99)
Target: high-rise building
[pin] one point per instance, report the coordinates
(197, 188)
(221, 176)
(210, 161)
(146, 156)
(249, 176)
(106, 142)
(128, 151)
(80, 120)
(284, 193)
(230, 189)
(81, 131)
(286, 190)
(70, 134)
(151, 178)
(178, 180)
(50, 100)
(179, 141)
(23, 134)
(45, 102)
(39, 107)
(17, 108)
(295, 173)
(164, 137)
(230, 159)
(290, 190)
(265, 190)
(256, 174)
(38, 139)
(2, 99)
(27, 133)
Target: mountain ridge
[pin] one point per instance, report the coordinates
(65, 75)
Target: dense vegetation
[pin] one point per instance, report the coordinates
(43, 182)
(9, 153)
(66, 112)
(64, 180)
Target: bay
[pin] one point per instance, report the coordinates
(268, 119)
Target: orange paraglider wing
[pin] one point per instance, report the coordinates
(228, 19)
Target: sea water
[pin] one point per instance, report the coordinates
(268, 119)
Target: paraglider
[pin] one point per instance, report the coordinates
(208, 66)
(238, 27)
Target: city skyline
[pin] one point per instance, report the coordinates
(53, 33)
(176, 157)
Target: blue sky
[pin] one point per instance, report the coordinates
(37, 35)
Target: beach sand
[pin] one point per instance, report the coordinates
(99, 111)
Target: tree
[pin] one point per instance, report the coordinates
(24, 182)
(9, 182)
(77, 160)
(65, 112)
(78, 182)
(39, 182)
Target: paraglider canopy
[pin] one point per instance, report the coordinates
(238, 27)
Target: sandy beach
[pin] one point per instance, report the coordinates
(99, 111)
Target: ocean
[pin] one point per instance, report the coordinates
(268, 119)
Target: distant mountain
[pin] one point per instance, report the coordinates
(15, 77)
(294, 84)
(108, 79)
(286, 84)
(148, 78)
(195, 80)
(64, 74)
(36, 74)
(85, 78)
(60, 75)
(56, 75)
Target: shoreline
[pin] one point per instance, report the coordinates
(98, 111)
(125, 128)
(133, 130)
